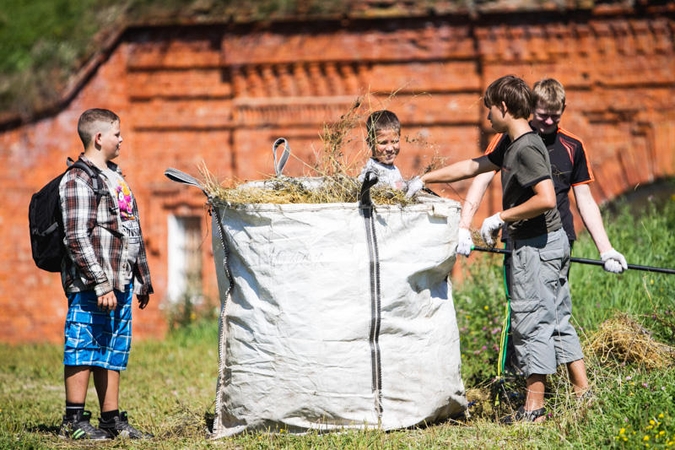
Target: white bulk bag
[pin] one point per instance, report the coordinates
(336, 316)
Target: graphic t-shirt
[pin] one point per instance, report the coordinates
(130, 225)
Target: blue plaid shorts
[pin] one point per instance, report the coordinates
(97, 338)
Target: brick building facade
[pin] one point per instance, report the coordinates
(218, 94)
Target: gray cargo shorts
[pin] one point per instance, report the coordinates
(541, 305)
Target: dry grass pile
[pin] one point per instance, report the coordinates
(481, 403)
(331, 179)
(622, 340)
(496, 398)
(334, 136)
(284, 190)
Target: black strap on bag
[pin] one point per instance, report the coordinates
(367, 208)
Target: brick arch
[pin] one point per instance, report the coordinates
(219, 95)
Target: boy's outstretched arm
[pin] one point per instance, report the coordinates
(473, 198)
(459, 171)
(589, 211)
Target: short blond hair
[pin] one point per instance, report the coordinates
(549, 94)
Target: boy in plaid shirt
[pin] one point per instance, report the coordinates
(106, 265)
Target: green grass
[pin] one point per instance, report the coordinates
(43, 43)
(169, 388)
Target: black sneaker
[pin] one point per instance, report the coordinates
(77, 426)
(119, 426)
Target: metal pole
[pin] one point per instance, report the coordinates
(594, 262)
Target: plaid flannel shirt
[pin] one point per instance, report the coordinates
(97, 247)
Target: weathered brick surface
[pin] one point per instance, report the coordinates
(220, 96)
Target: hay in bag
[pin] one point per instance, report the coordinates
(335, 316)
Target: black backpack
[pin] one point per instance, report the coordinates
(46, 222)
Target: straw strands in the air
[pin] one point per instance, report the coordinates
(330, 182)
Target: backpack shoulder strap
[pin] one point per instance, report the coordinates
(93, 175)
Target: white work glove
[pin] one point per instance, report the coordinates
(490, 229)
(464, 242)
(414, 186)
(614, 261)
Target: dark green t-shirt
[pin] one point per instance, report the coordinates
(523, 164)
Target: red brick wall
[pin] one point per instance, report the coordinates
(219, 96)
